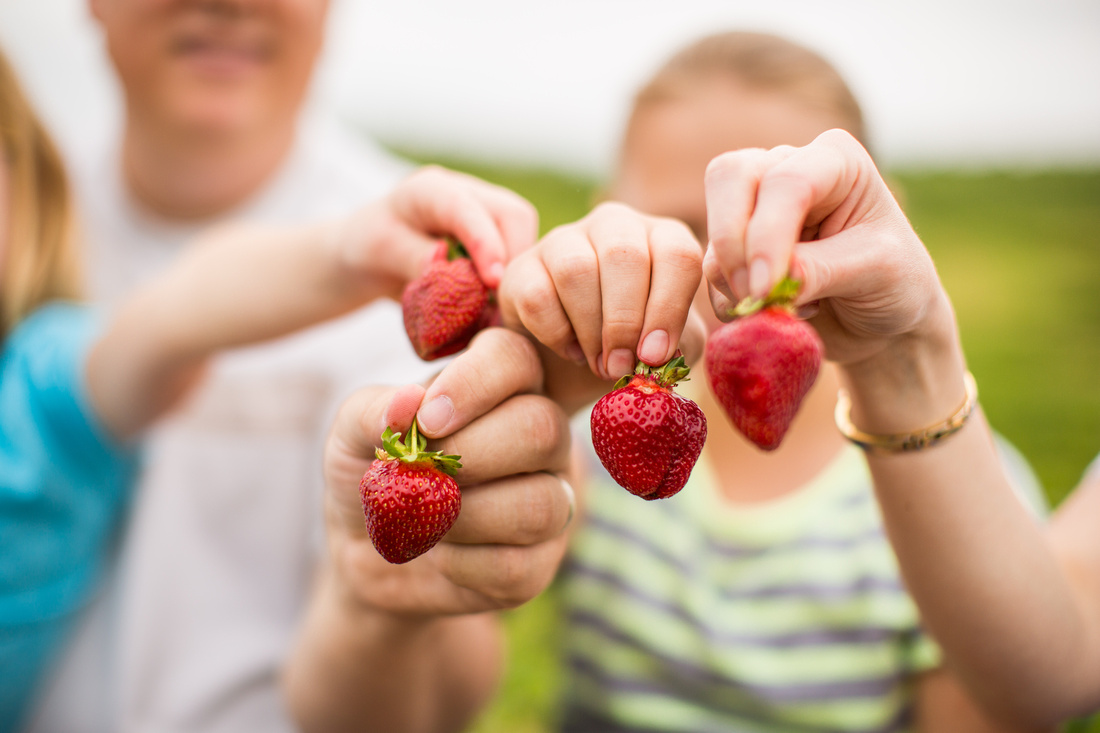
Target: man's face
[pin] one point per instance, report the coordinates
(213, 66)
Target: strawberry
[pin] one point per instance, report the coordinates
(410, 498)
(647, 436)
(762, 364)
(447, 305)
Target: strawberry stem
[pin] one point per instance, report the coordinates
(783, 294)
(414, 449)
(667, 375)
(456, 250)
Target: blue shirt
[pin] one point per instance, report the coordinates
(64, 486)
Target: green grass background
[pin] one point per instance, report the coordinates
(1020, 256)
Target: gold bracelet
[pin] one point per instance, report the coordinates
(905, 442)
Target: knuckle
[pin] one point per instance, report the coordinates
(573, 267)
(798, 188)
(548, 433)
(621, 326)
(520, 353)
(609, 210)
(732, 164)
(512, 582)
(538, 514)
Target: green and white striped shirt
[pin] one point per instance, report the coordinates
(689, 614)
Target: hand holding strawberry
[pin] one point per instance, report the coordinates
(761, 365)
(513, 507)
(824, 214)
(410, 498)
(596, 292)
(372, 625)
(391, 242)
(647, 436)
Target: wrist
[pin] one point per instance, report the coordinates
(917, 380)
(359, 600)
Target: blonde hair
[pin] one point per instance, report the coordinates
(760, 61)
(39, 261)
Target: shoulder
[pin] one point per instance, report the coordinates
(43, 385)
(51, 339)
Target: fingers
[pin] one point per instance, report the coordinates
(731, 182)
(524, 434)
(606, 290)
(492, 576)
(622, 248)
(493, 223)
(497, 365)
(516, 510)
(760, 204)
(801, 189)
(677, 271)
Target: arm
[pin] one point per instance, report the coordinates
(242, 284)
(415, 647)
(943, 706)
(983, 573)
(603, 292)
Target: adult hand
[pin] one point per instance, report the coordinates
(412, 647)
(508, 540)
(391, 241)
(824, 214)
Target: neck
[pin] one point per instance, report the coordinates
(750, 475)
(187, 176)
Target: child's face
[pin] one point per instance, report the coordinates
(670, 143)
(217, 67)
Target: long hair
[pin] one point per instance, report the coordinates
(38, 257)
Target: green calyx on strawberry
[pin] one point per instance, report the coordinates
(761, 364)
(647, 436)
(448, 304)
(410, 498)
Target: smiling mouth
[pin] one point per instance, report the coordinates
(222, 56)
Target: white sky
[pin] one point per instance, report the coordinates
(943, 82)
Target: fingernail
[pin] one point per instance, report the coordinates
(759, 275)
(654, 348)
(620, 362)
(436, 415)
(740, 283)
(575, 353)
(809, 310)
(495, 273)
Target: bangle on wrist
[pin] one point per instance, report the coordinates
(905, 442)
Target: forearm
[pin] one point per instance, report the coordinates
(974, 558)
(354, 669)
(238, 286)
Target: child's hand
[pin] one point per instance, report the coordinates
(391, 242)
(824, 213)
(611, 286)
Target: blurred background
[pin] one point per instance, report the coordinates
(986, 115)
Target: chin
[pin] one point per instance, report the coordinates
(219, 114)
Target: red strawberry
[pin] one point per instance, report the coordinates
(446, 306)
(410, 499)
(647, 436)
(762, 364)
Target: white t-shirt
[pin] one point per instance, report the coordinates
(226, 526)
